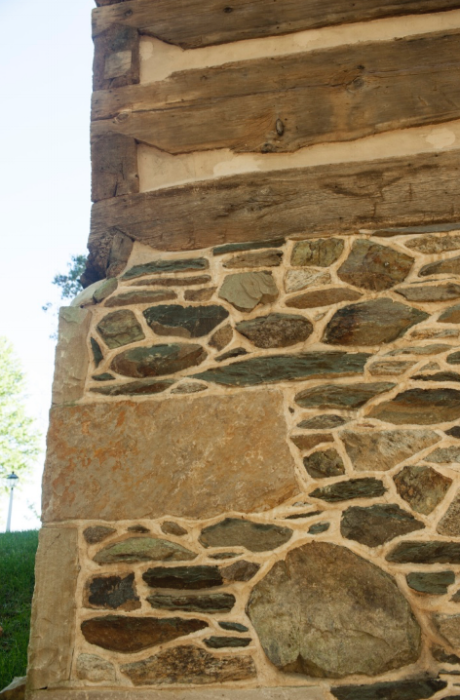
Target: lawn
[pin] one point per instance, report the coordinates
(17, 556)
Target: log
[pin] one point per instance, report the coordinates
(196, 23)
(331, 199)
(116, 58)
(114, 165)
(281, 104)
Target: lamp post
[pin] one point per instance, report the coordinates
(12, 481)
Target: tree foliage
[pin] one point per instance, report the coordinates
(70, 283)
(19, 439)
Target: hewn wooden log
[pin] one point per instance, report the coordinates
(114, 165)
(334, 198)
(116, 57)
(284, 103)
(101, 3)
(195, 23)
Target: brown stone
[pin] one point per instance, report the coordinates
(308, 442)
(158, 360)
(296, 280)
(184, 321)
(449, 266)
(431, 244)
(16, 690)
(72, 357)
(189, 388)
(97, 533)
(131, 634)
(374, 266)
(420, 406)
(326, 422)
(321, 465)
(347, 396)
(244, 290)
(183, 577)
(276, 330)
(265, 258)
(143, 387)
(121, 477)
(235, 532)
(449, 627)
(444, 455)
(451, 315)
(172, 281)
(191, 665)
(320, 252)
(422, 487)
(120, 328)
(169, 527)
(112, 592)
(136, 549)
(439, 292)
(375, 525)
(386, 368)
(434, 349)
(204, 294)
(201, 603)
(450, 524)
(375, 450)
(221, 338)
(240, 571)
(323, 297)
(348, 490)
(95, 669)
(140, 296)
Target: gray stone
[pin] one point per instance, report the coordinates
(159, 266)
(309, 441)
(173, 281)
(252, 245)
(240, 571)
(245, 290)
(95, 669)
(204, 294)
(375, 525)
(328, 421)
(318, 528)
(140, 388)
(202, 603)
(434, 244)
(222, 642)
(234, 532)
(137, 549)
(380, 450)
(374, 266)
(422, 487)
(322, 297)
(296, 280)
(444, 455)
(450, 523)
(431, 582)
(104, 377)
(169, 527)
(347, 396)
(454, 359)
(439, 292)
(112, 592)
(268, 258)
(385, 368)
(449, 627)
(371, 323)
(454, 432)
(413, 689)
(320, 252)
(189, 388)
(315, 613)
(105, 290)
(97, 533)
(120, 328)
(86, 297)
(451, 315)
(321, 465)
(347, 490)
(72, 358)
(234, 352)
(221, 338)
(433, 552)
(438, 377)
(183, 577)
(184, 321)
(276, 330)
(158, 360)
(435, 349)
(420, 406)
(141, 296)
(449, 266)
(233, 627)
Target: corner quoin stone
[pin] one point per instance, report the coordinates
(238, 461)
(72, 356)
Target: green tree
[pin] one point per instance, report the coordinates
(70, 283)
(19, 439)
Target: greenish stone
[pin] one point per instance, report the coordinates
(97, 533)
(433, 552)
(233, 627)
(454, 359)
(222, 642)
(435, 349)
(268, 258)
(183, 577)
(244, 290)
(422, 487)
(438, 377)
(318, 528)
(450, 266)
(430, 244)
(319, 252)
(276, 330)
(374, 266)
(141, 296)
(104, 377)
(142, 388)
(445, 455)
(113, 592)
(105, 290)
(438, 292)
(414, 689)
(137, 549)
(451, 315)
(321, 465)
(253, 245)
(420, 406)
(234, 532)
(328, 421)
(348, 490)
(375, 525)
(184, 321)
(235, 352)
(204, 603)
(432, 582)
(120, 328)
(97, 352)
(278, 368)
(341, 395)
(158, 360)
(152, 268)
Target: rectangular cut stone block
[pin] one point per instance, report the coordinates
(292, 693)
(195, 457)
(72, 358)
(53, 612)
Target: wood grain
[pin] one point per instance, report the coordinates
(404, 191)
(195, 23)
(116, 57)
(114, 166)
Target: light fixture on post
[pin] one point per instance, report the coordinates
(11, 480)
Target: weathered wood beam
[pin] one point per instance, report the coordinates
(284, 103)
(114, 165)
(404, 191)
(116, 57)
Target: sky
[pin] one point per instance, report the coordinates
(46, 55)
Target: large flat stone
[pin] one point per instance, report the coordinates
(375, 525)
(347, 396)
(157, 360)
(432, 552)
(72, 357)
(413, 689)
(433, 293)
(420, 406)
(450, 524)
(304, 692)
(161, 266)
(239, 460)
(422, 487)
(136, 549)
(233, 532)
(434, 244)
(323, 297)
(321, 252)
(276, 330)
(380, 450)
(202, 603)
(184, 321)
(244, 290)
(450, 266)
(374, 266)
(120, 328)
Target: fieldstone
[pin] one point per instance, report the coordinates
(444, 455)
(72, 357)
(97, 445)
(384, 368)
(189, 665)
(308, 442)
(169, 527)
(268, 258)
(450, 523)
(120, 328)
(199, 294)
(454, 359)
(421, 406)
(184, 321)
(414, 689)
(371, 323)
(422, 487)
(451, 315)
(435, 349)
(325, 422)
(321, 252)
(449, 627)
(137, 549)
(234, 352)
(221, 338)
(450, 266)
(222, 642)
(105, 290)
(104, 377)
(298, 516)
(380, 450)
(97, 533)
(276, 330)
(234, 532)
(374, 266)
(140, 296)
(321, 465)
(97, 352)
(233, 627)
(173, 281)
(440, 655)
(95, 669)
(224, 555)
(244, 290)
(296, 280)
(113, 592)
(240, 571)
(438, 377)
(434, 244)
(203, 603)
(323, 297)
(431, 582)
(348, 490)
(456, 598)
(347, 396)
(139, 529)
(326, 612)
(430, 333)
(454, 432)
(252, 245)
(189, 388)
(433, 552)
(86, 297)
(157, 360)
(439, 292)
(141, 388)
(375, 525)
(159, 266)
(183, 577)
(131, 634)
(318, 528)
(279, 368)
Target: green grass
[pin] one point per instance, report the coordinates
(17, 556)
